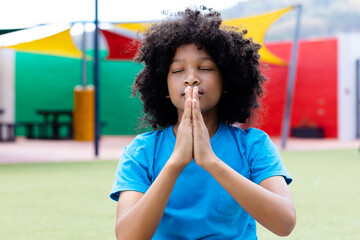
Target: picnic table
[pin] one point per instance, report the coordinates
(52, 121)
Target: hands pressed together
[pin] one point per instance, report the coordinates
(192, 138)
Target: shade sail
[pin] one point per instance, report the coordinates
(59, 44)
(120, 47)
(136, 27)
(256, 26)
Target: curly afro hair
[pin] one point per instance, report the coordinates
(236, 56)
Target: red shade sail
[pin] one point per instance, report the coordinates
(120, 47)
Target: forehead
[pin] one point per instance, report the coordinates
(190, 51)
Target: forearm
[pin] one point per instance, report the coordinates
(272, 210)
(142, 220)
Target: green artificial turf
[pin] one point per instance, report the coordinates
(326, 192)
(57, 201)
(70, 200)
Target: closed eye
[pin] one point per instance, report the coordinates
(206, 68)
(177, 70)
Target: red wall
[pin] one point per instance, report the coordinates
(315, 96)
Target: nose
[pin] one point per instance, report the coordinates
(191, 80)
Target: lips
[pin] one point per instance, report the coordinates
(200, 93)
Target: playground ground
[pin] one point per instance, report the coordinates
(110, 148)
(58, 190)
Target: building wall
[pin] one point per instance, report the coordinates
(47, 82)
(349, 52)
(7, 87)
(315, 96)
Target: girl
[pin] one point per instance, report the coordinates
(200, 177)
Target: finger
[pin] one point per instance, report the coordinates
(195, 93)
(187, 105)
(195, 111)
(197, 119)
(196, 97)
(187, 118)
(195, 101)
(188, 93)
(197, 115)
(187, 110)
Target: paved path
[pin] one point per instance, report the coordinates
(24, 150)
(29, 151)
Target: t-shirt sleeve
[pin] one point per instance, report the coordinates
(264, 159)
(132, 173)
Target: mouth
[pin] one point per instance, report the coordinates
(199, 94)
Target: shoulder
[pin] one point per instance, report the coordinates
(256, 135)
(146, 137)
(249, 135)
(250, 140)
(145, 140)
(257, 139)
(141, 150)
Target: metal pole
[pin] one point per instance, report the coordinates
(357, 98)
(291, 81)
(83, 49)
(96, 81)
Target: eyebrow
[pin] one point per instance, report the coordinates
(202, 58)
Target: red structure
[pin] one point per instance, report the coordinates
(315, 96)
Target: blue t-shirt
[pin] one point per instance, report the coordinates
(199, 207)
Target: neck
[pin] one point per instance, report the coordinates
(210, 119)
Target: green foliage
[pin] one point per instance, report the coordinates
(70, 200)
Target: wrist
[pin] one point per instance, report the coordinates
(176, 163)
(209, 162)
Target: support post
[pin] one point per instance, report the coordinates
(96, 81)
(84, 64)
(357, 99)
(291, 82)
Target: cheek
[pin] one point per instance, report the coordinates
(217, 86)
(172, 92)
(174, 85)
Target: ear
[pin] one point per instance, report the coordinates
(167, 96)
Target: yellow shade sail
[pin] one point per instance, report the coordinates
(256, 26)
(59, 44)
(135, 27)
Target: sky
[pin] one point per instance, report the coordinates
(27, 13)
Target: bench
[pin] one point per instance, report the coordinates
(307, 132)
(10, 132)
(40, 130)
